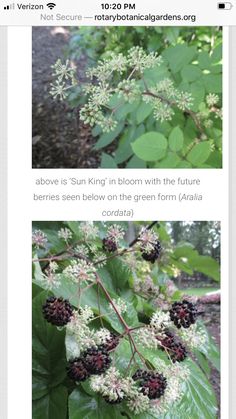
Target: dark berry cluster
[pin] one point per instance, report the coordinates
(57, 311)
(109, 245)
(76, 370)
(97, 360)
(183, 314)
(176, 350)
(94, 361)
(152, 384)
(153, 254)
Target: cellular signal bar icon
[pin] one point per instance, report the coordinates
(9, 7)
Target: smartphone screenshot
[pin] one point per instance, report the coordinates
(117, 165)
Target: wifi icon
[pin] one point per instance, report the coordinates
(51, 5)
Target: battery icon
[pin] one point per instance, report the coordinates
(225, 6)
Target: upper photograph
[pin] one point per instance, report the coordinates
(127, 97)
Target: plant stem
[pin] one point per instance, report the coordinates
(99, 282)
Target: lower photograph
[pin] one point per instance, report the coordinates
(126, 319)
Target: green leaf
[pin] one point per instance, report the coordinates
(199, 153)
(184, 250)
(124, 150)
(170, 161)
(51, 406)
(184, 165)
(150, 146)
(107, 139)
(143, 111)
(49, 359)
(204, 60)
(108, 162)
(178, 56)
(176, 139)
(199, 400)
(197, 91)
(82, 406)
(119, 272)
(136, 163)
(213, 83)
(206, 265)
(211, 350)
(191, 72)
(217, 54)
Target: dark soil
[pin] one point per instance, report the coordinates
(60, 140)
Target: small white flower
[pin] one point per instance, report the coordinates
(78, 328)
(88, 230)
(65, 234)
(212, 99)
(194, 337)
(160, 320)
(146, 336)
(139, 403)
(115, 232)
(148, 239)
(80, 271)
(102, 336)
(82, 250)
(39, 239)
(184, 101)
(112, 385)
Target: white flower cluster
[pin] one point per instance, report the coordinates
(139, 60)
(146, 336)
(39, 239)
(64, 75)
(115, 232)
(160, 321)
(107, 75)
(91, 250)
(209, 108)
(212, 99)
(111, 384)
(80, 336)
(88, 230)
(128, 90)
(164, 96)
(123, 76)
(80, 271)
(115, 387)
(194, 337)
(65, 234)
(147, 239)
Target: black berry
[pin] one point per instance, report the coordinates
(109, 245)
(96, 360)
(140, 374)
(77, 371)
(153, 384)
(57, 311)
(176, 350)
(153, 254)
(183, 314)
